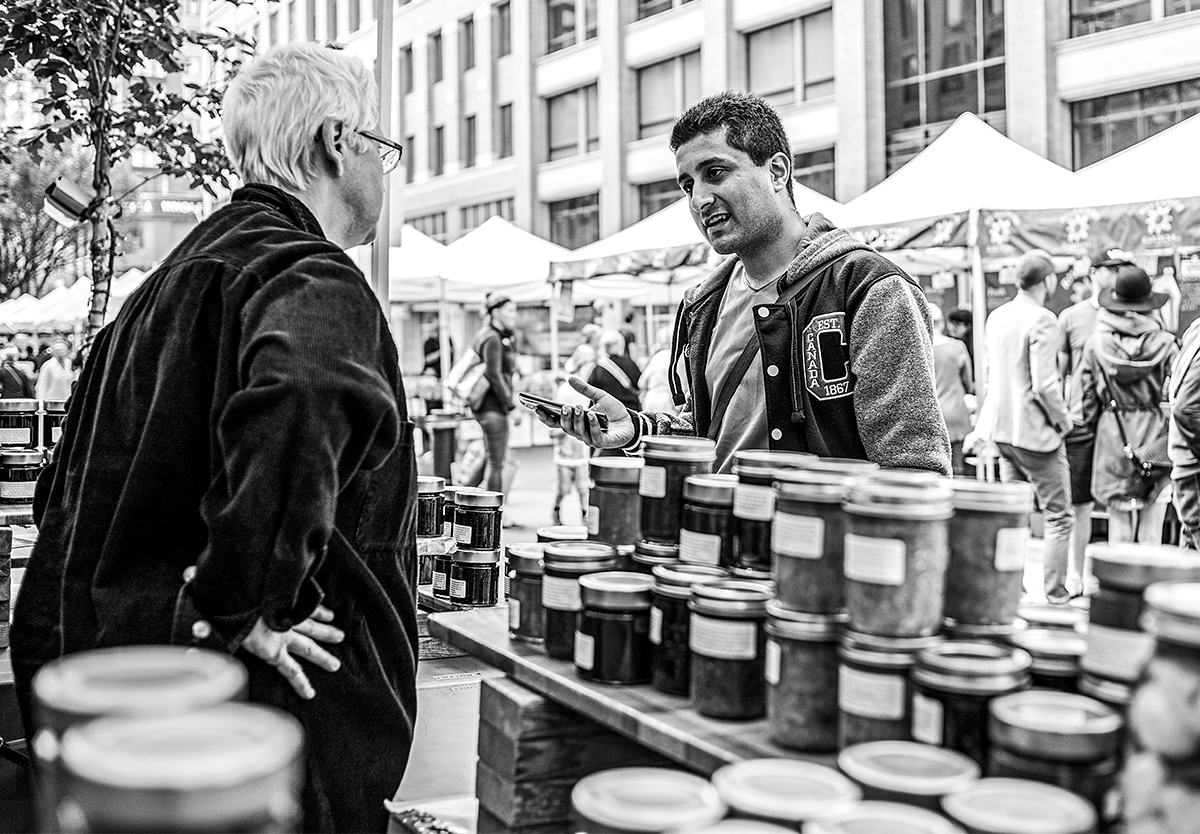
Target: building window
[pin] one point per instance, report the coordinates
(356, 15)
(1182, 6)
(466, 43)
(814, 170)
(647, 8)
(472, 217)
(1090, 16)
(574, 122)
(311, 32)
(656, 196)
(437, 151)
(467, 141)
(1103, 126)
(291, 24)
(504, 131)
(331, 21)
(433, 225)
(503, 29)
(410, 153)
(793, 61)
(575, 222)
(665, 90)
(406, 70)
(569, 22)
(273, 28)
(435, 57)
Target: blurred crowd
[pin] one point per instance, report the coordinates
(42, 369)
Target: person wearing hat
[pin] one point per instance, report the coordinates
(1122, 379)
(494, 344)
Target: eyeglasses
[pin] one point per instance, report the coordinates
(389, 151)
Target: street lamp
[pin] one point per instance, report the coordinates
(67, 203)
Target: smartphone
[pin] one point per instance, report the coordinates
(533, 402)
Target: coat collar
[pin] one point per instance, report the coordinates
(282, 202)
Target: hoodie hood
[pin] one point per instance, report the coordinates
(1130, 345)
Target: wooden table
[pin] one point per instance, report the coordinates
(663, 723)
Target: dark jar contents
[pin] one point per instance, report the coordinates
(754, 503)
(441, 576)
(728, 646)
(524, 592)
(53, 414)
(1056, 654)
(989, 532)
(668, 463)
(953, 685)
(430, 505)
(18, 424)
(448, 507)
(563, 563)
(802, 678)
(874, 690)
(477, 518)
(614, 511)
(475, 577)
(613, 641)
(706, 531)
(18, 476)
(669, 623)
(895, 555)
(649, 555)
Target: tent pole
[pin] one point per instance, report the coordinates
(443, 331)
(383, 66)
(978, 299)
(553, 307)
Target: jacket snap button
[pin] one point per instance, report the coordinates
(201, 630)
(772, 370)
(763, 312)
(776, 434)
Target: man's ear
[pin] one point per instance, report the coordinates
(331, 141)
(780, 167)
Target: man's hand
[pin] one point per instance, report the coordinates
(281, 648)
(581, 422)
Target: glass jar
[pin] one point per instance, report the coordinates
(1056, 655)
(1163, 712)
(19, 472)
(628, 799)
(1005, 806)
(895, 558)
(706, 531)
(448, 507)
(649, 555)
(431, 501)
(441, 576)
(477, 518)
(614, 511)
(18, 424)
(612, 644)
(727, 642)
(874, 689)
(670, 620)
(524, 592)
(989, 532)
(1057, 617)
(561, 533)
(1097, 782)
(801, 672)
(475, 577)
(807, 538)
(907, 772)
(562, 565)
(54, 412)
(754, 503)
(913, 478)
(668, 463)
(784, 791)
(872, 817)
(954, 683)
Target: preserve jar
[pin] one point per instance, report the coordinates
(907, 772)
(19, 472)
(475, 577)
(1163, 712)
(441, 576)
(448, 507)
(895, 558)
(561, 533)
(614, 511)
(670, 620)
(754, 503)
(625, 558)
(784, 791)
(18, 423)
(801, 672)
(524, 592)
(477, 518)
(706, 528)
(612, 644)
(668, 463)
(807, 538)
(562, 565)
(628, 799)
(874, 817)
(1056, 654)
(1097, 782)
(953, 685)
(874, 687)
(989, 532)
(727, 641)
(649, 555)
(906, 477)
(1011, 806)
(54, 412)
(431, 492)
(1052, 616)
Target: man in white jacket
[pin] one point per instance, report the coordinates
(55, 377)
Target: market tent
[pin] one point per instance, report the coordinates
(499, 255)
(67, 306)
(31, 316)
(11, 308)
(1157, 168)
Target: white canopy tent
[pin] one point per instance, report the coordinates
(13, 307)
(1156, 168)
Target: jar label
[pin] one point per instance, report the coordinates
(458, 589)
(1117, 653)
(1010, 548)
(17, 489)
(514, 614)
(507, 585)
(699, 548)
(878, 561)
(870, 695)
(439, 581)
(560, 594)
(462, 533)
(585, 651)
(55, 433)
(926, 720)
(723, 639)
(448, 529)
(653, 483)
(15, 437)
(754, 503)
(798, 535)
(593, 520)
(771, 669)
(656, 625)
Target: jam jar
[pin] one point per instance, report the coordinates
(670, 620)
(988, 535)
(807, 538)
(706, 531)
(668, 463)
(442, 565)
(18, 424)
(754, 503)
(907, 772)
(612, 644)
(448, 507)
(563, 563)
(430, 505)
(614, 511)
(477, 518)
(784, 792)
(727, 639)
(19, 472)
(649, 555)
(1008, 806)
(53, 414)
(475, 577)
(628, 799)
(874, 689)
(561, 533)
(524, 592)
(1056, 655)
(801, 672)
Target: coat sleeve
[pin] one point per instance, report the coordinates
(491, 351)
(1185, 405)
(1045, 339)
(1089, 392)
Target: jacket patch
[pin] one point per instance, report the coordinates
(826, 356)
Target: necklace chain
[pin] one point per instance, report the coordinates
(751, 287)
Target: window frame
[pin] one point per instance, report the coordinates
(803, 88)
(468, 142)
(435, 57)
(502, 23)
(466, 43)
(587, 129)
(679, 92)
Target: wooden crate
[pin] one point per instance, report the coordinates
(523, 804)
(519, 759)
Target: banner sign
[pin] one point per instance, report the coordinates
(923, 233)
(1135, 227)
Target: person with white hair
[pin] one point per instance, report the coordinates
(236, 469)
(14, 384)
(56, 375)
(655, 384)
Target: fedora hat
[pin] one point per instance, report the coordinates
(1132, 292)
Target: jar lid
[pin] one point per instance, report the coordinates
(1173, 612)
(562, 533)
(684, 449)
(676, 580)
(1004, 806)
(971, 667)
(430, 484)
(18, 457)
(984, 631)
(785, 789)
(754, 575)
(615, 590)
(917, 502)
(477, 557)
(991, 496)
(525, 558)
(472, 497)
(655, 553)
(897, 476)
(712, 489)
(18, 405)
(573, 551)
(647, 799)
(1110, 692)
(1054, 725)
(908, 767)
(1134, 567)
(616, 471)
(794, 625)
(55, 405)
(732, 598)
(877, 642)
(1046, 615)
(822, 486)
(763, 462)
(848, 467)
(872, 817)
(1054, 650)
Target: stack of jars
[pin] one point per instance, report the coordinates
(614, 510)
(471, 574)
(668, 462)
(21, 459)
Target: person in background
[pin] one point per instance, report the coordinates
(14, 384)
(1122, 379)
(614, 372)
(1184, 436)
(655, 384)
(630, 335)
(582, 359)
(960, 324)
(1023, 411)
(42, 356)
(55, 378)
(570, 457)
(952, 372)
(494, 344)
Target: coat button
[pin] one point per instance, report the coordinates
(201, 630)
(763, 312)
(772, 370)
(776, 434)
